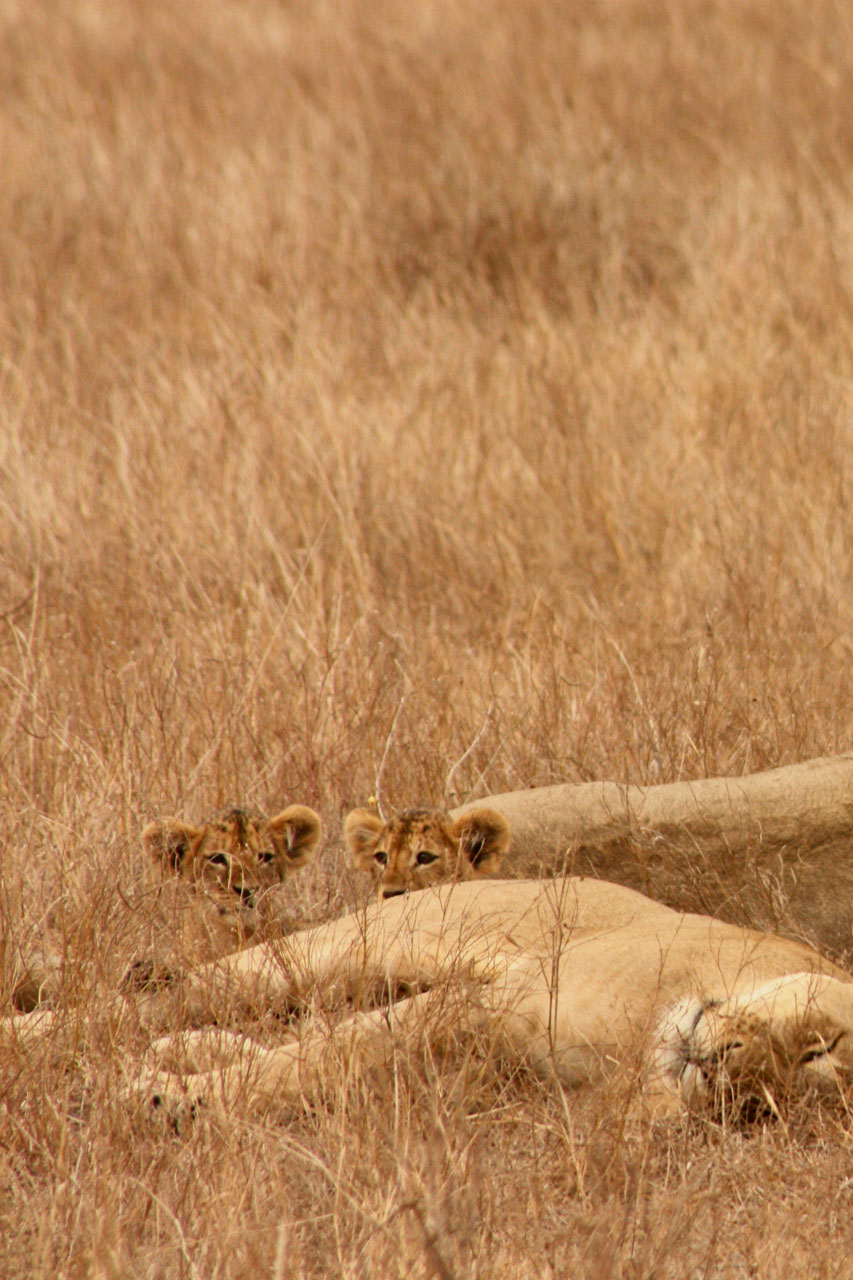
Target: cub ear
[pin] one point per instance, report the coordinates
(484, 838)
(295, 834)
(360, 831)
(168, 843)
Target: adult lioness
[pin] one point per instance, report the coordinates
(217, 892)
(572, 976)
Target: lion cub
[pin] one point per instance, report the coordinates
(422, 847)
(217, 893)
(232, 864)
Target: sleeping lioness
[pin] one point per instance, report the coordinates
(573, 977)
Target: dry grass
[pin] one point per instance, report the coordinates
(479, 372)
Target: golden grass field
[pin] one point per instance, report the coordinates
(423, 400)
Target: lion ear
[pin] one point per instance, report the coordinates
(360, 831)
(484, 838)
(295, 834)
(168, 843)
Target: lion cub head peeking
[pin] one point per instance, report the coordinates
(234, 861)
(219, 881)
(422, 847)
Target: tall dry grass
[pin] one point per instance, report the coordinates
(375, 381)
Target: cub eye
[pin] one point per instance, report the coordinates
(424, 858)
(381, 857)
(219, 859)
(266, 855)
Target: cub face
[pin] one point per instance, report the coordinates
(231, 865)
(421, 847)
(237, 859)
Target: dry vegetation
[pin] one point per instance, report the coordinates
(377, 380)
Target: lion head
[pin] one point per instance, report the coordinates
(421, 847)
(235, 861)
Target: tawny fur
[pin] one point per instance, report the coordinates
(219, 881)
(423, 847)
(574, 977)
(232, 864)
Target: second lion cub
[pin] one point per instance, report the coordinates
(422, 847)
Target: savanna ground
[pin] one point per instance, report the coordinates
(417, 400)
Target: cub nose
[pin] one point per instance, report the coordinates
(392, 892)
(247, 895)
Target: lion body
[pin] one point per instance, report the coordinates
(570, 976)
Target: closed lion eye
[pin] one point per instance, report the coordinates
(820, 1050)
(424, 858)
